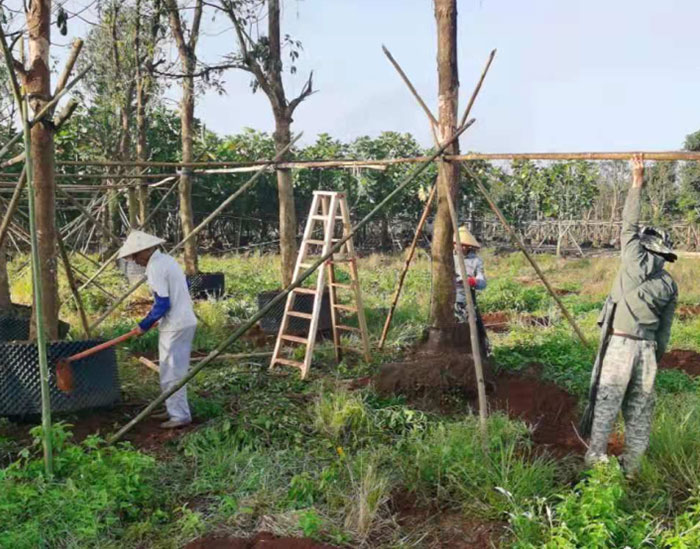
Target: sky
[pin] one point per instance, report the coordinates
(569, 75)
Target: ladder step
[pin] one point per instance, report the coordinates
(305, 265)
(319, 217)
(309, 291)
(343, 286)
(347, 328)
(288, 362)
(295, 339)
(299, 315)
(330, 193)
(342, 260)
(345, 307)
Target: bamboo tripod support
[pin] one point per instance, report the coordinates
(327, 207)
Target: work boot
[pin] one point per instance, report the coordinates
(160, 415)
(175, 423)
(593, 458)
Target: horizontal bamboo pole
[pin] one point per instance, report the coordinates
(659, 156)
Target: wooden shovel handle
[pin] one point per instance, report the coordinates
(102, 346)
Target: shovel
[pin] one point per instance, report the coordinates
(64, 370)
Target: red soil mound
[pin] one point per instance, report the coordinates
(262, 540)
(551, 411)
(688, 311)
(678, 359)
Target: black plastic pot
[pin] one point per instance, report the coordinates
(15, 322)
(206, 285)
(303, 303)
(96, 381)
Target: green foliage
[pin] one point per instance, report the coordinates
(448, 462)
(505, 294)
(97, 494)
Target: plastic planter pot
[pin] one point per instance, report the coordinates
(303, 303)
(206, 285)
(96, 378)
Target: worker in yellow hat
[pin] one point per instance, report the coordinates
(476, 279)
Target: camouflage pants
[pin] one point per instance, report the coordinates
(626, 381)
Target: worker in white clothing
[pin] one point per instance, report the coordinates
(172, 308)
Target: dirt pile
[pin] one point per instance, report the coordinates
(262, 540)
(686, 361)
(688, 311)
(496, 322)
(548, 409)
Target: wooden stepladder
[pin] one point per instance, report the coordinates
(320, 234)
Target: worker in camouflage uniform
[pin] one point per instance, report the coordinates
(644, 299)
(476, 279)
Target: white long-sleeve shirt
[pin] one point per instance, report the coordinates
(474, 266)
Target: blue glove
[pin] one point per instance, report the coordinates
(161, 306)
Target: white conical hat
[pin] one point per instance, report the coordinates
(466, 238)
(138, 241)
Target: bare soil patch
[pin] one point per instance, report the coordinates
(684, 360)
(685, 312)
(497, 322)
(262, 540)
(444, 528)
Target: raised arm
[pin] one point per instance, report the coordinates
(630, 246)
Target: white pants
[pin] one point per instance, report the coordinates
(174, 353)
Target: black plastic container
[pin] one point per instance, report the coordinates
(206, 285)
(303, 303)
(15, 323)
(96, 380)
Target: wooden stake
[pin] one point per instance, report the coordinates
(409, 257)
(71, 283)
(531, 260)
(468, 110)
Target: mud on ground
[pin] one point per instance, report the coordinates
(262, 540)
(684, 360)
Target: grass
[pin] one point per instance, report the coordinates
(315, 459)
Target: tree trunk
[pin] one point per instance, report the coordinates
(443, 273)
(141, 147)
(185, 188)
(285, 191)
(38, 85)
(5, 300)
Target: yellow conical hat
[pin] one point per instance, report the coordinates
(466, 238)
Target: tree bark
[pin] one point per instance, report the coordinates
(141, 146)
(37, 81)
(185, 187)
(285, 192)
(443, 273)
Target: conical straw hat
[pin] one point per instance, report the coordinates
(138, 241)
(466, 238)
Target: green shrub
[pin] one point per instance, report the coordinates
(95, 495)
(503, 294)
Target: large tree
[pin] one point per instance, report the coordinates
(262, 56)
(448, 173)
(36, 78)
(186, 41)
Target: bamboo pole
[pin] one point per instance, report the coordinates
(407, 263)
(476, 91)
(473, 330)
(516, 240)
(38, 303)
(91, 217)
(71, 283)
(12, 206)
(221, 207)
(283, 295)
(658, 156)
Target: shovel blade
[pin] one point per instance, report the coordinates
(64, 376)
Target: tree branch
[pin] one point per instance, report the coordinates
(306, 91)
(194, 33)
